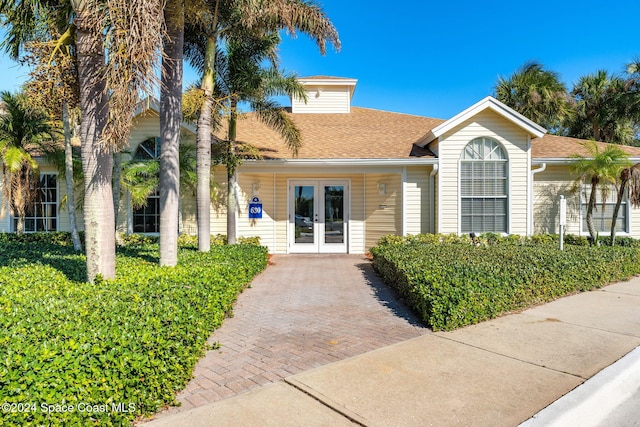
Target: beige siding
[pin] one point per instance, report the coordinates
(635, 222)
(383, 211)
(273, 227)
(188, 222)
(282, 213)
(218, 218)
(145, 126)
(261, 186)
(328, 100)
(515, 142)
(418, 199)
(548, 186)
(357, 217)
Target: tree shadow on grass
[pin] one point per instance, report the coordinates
(388, 297)
(144, 252)
(64, 259)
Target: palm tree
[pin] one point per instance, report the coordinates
(536, 93)
(131, 34)
(633, 85)
(170, 125)
(603, 109)
(629, 182)
(141, 177)
(54, 87)
(239, 17)
(242, 78)
(601, 169)
(23, 132)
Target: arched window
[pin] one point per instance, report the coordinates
(484, 187)
(147, 219)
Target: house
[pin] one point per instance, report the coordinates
(364, 173)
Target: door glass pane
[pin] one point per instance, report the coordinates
(303, 196)
(334, 214)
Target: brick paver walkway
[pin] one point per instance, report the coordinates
(302, 312)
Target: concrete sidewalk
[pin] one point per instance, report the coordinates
(498, 373)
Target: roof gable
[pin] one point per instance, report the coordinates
(152, 104)
(488, 103)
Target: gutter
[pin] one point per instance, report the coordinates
(531, 195)
(566, 160)
(341, 162)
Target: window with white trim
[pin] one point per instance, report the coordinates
(147, 219)
(484, 196)
(603, 214)
(43, 215)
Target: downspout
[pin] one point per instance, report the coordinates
(531, 196)
(404, 201)
(432, 197)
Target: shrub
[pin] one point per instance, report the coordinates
(137, 239)
(129, 341)
(255, 240)
(450, 285)
(572, 239)
(188, 240)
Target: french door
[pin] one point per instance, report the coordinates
(318, 216)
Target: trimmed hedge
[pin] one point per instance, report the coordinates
(116, 350)
(451, 283)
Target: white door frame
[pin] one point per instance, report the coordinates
(319, 227)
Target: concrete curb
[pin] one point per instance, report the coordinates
(591, 402)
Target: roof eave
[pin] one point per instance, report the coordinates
(342, 162)
(565, 160)
(335, 81)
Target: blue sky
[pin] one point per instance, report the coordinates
(437, 58)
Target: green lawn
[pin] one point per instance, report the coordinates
(72, 353)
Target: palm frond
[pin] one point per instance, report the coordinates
(272, 115)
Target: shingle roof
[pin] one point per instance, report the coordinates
(560, 147)
(361, 134)
(374, 134)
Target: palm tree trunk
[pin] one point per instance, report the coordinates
(170, 124)
(624, 180)
(117, 168)
(20, 225)
(68, 167)
(590, 206)
(232, 177)
(203, 148)
(97, 163)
